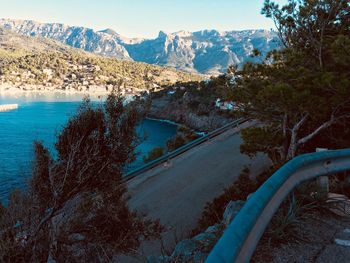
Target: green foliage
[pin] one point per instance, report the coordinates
(154, 154)
(187, 133)
(302, 90)
(183, 135)
(24, 59)
(284, 225)
(260, 139)
(305, 203)
(84, 183)
(175, 143)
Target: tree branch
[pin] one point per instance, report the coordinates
(322, 127)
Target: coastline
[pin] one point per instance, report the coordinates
(52, 94)
(164, 120)
(178, 124)
(49, 94)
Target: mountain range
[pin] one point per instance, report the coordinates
(40, 64)
(207, 52)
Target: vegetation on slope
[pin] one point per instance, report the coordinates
(301, 97)
(52, 65)
(301, 93)
(75, 208)
(194, 103)
(183, 136)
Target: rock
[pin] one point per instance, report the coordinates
(250, 195)
(199, 257)
(231, 211)
(215, 229)
(196, 249)
(184, 250)
(50, 259)
(208, 51)
(157, 259)
(205, 241)
(76, 237)
(204, 237)
(187, 97)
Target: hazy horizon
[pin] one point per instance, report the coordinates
(143, 19)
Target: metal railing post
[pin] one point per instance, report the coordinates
(323, 181)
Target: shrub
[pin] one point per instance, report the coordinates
(154, 154)
(183, 136)
(175, 142)
(80, 195)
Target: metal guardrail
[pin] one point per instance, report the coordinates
(182, 149)
(239, 240)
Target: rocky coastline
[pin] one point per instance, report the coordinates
(179, 111)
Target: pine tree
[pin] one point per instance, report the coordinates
(303, 89)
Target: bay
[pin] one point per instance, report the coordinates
(41, 116)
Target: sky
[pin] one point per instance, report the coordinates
(143, 18)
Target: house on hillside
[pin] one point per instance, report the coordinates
(226, 105)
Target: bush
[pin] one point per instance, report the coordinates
(154, 154)
(80, 196)
(175, 143)
(183, 136)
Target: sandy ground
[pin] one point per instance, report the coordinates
(176, 192)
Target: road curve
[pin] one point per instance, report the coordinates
(176, 192)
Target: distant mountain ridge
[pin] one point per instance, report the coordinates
(41, 64)
(206, 51)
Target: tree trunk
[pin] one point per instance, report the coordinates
(285, 138)
(293, 146)
(294, 143)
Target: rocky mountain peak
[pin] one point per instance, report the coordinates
(206, 51)
(109, 31)
(162, 34)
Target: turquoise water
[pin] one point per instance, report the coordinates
(41, 117)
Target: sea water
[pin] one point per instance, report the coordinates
(41, 117)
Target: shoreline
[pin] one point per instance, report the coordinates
(14, 91)
(178, 124)
(53, 94)
(58, 95)
(164, 120)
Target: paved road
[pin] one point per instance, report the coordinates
(177, 192)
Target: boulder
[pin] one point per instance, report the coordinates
(205, 241)
(199, 257)
(215, 229)
(231, 211)
(76, 237)
(157, 259)
(184, 250)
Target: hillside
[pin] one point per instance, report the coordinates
(36, 63)
(207, 51)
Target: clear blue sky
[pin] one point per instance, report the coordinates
(142, 18)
